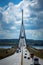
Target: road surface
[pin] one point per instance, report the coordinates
(27, 61)
(15, 59)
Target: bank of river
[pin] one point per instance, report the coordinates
(6, 51)
(38, 47)
(5, 47)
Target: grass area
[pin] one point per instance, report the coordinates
(38, 53)
(6, 52)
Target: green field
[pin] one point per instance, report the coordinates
(38, 53)
(6, 52)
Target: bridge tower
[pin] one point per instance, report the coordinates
(22, 37)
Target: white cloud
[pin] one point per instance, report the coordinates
(6, 34)
(34, 3)
(18, 22)
(13, 27)
(12, 13)
(34, 34)
(1, 9)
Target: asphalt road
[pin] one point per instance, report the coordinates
(27, 61)
(15, 59)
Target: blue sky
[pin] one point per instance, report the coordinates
(5, 2)
(11, 18)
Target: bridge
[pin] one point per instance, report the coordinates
(23, 57)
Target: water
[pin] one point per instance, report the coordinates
(5, 47)
(38, 47)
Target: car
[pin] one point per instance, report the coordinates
(24, 56)
(24, 45)
(32, 55)
(25, 53)
(17, 50)
(28, 57)
(36, 61)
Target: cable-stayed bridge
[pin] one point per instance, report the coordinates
(18, 58)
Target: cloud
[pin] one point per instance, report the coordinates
(13, 27)
(34, 34)
(11, 18)
(9, 35)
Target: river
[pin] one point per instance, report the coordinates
(38, 47)
(5, 47)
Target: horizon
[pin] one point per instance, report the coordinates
(18, 39)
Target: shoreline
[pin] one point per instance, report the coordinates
(6, 52)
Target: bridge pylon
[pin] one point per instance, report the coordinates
(22, 37)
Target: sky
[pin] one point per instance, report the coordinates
(11, 18)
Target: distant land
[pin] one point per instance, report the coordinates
(16, 42)
(34, 42)
(9, 42)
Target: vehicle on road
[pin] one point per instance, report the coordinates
(17, 50)
(25, 57)
(32, 55)
(28, 57)
(25, 53)
(36, 61)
